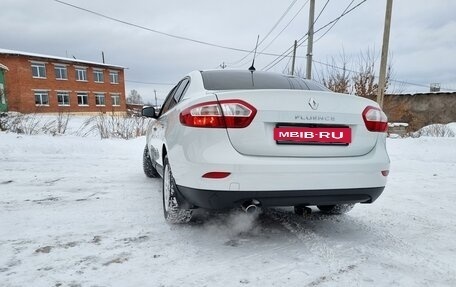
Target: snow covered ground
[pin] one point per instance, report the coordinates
(79, 212)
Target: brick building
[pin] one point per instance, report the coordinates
(46, 84)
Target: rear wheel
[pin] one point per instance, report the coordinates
(171, 209)
(149, 169)
(336, 209)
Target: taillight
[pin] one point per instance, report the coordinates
(375, 119)
(216, 175)
(222, 114)
(205, 115)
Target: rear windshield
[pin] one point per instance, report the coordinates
(246, 80)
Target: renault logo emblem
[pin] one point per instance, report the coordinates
(313, 104)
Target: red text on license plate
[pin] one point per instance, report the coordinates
(328, 135)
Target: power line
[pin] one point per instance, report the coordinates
(357, 72)
(285, 54)
(267, 35)
(160, 32)
(301, 40)
(270, 43)
(341, 15)
(279, 59)
(321, 11)
(314, 67)
(333, 24)
(287, 65)
(278, 22)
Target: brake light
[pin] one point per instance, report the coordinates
(222, 114)
(375, 119)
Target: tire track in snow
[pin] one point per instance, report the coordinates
(291, 223)
(319, 246)
(398, 247)
(222, 227)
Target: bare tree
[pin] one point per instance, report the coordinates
(364, 81)
(337, 78)
(134, 98)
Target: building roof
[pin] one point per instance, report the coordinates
(424, 94)
(76, 61)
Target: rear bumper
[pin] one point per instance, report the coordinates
(212, 152)
(274, 181)
(191, 197)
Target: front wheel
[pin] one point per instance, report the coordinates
(171, 209)
(149, 169)
(336, 209)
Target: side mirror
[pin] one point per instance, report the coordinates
(149, 112)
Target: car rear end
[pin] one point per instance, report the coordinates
(280, 147)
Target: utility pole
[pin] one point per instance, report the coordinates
(222, 65)
(156, 102)
(294, 57)
(384, 60)
(310, 39)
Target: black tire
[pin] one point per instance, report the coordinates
(149, 169)
(336, 209)
(171, 209)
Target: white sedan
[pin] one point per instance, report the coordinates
(232, 138)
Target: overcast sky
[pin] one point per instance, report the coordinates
(422, 42)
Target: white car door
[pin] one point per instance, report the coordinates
(156, 137)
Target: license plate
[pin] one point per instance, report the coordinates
(312, 135)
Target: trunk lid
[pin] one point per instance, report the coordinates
(300, 108)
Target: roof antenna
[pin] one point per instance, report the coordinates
(252, 68)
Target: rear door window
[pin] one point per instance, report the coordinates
(175, 95)
(181, 90)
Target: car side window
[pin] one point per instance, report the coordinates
(175, 95)
(181, 90)
(168, 100)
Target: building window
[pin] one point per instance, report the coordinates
(114, 77)
(81, 74)
(98, 76)
(83, 99)
(39, 70)
(41, 98)
(115, 99)
(63, 98)
(99, 99)
(61, 72)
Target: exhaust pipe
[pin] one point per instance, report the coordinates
(250, 206)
